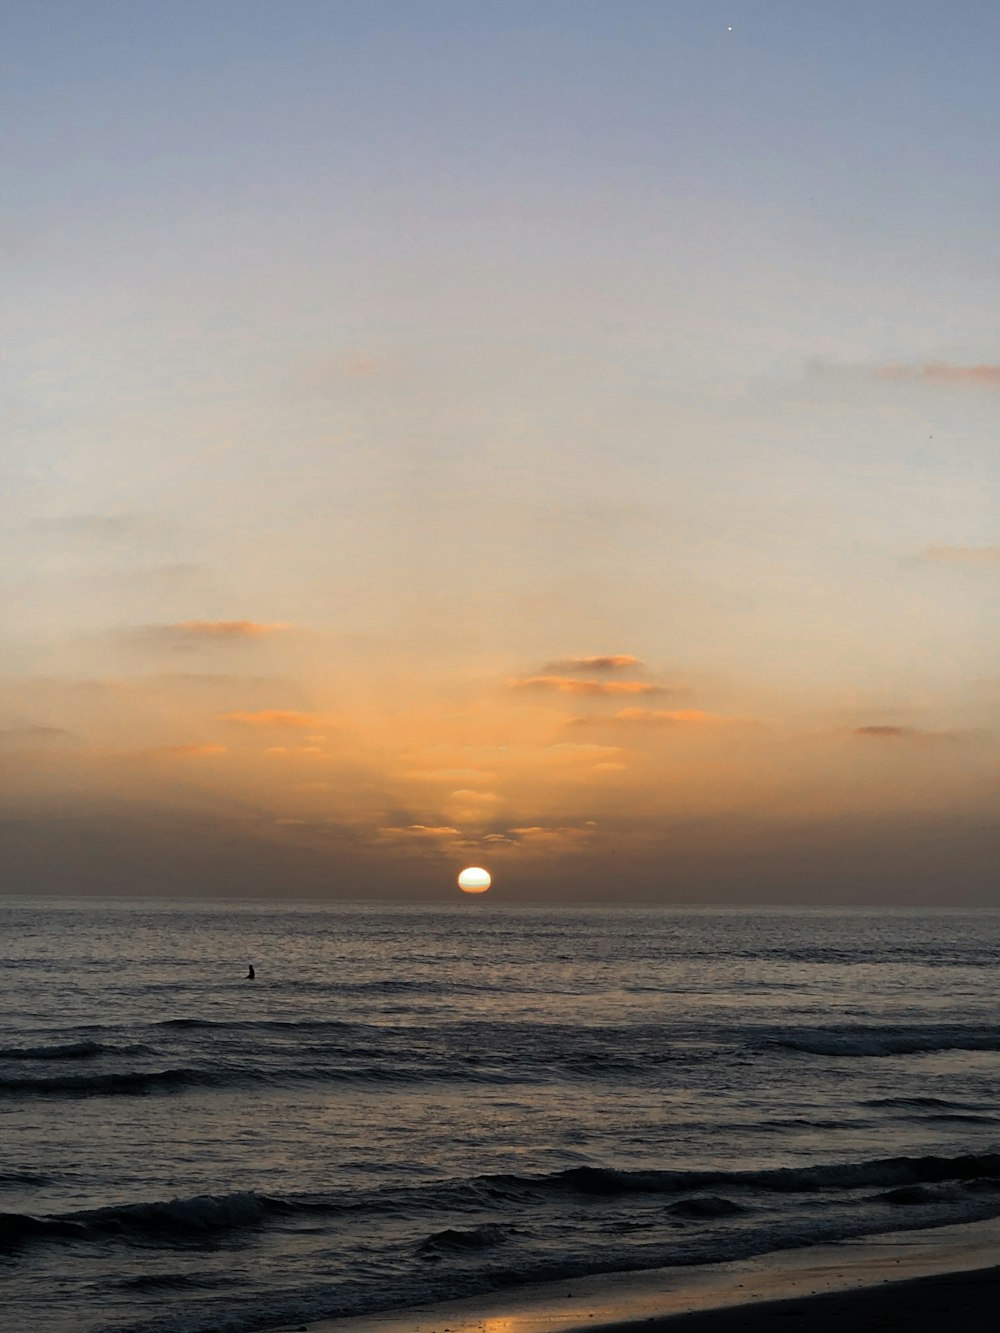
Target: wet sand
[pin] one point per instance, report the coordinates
(932, 1280)
(964, 1302)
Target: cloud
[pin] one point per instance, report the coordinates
(965, 555)
(552, 837)
(941, 372)
(323, 374)
(99, 527)
(565, 752)
(887, 732)
(659, 717)
(194, 633)
(570, 685)
(466, 806)
(611, 662)
(183, 751)
(475, 797)
(32, 734)
(282, 719)
(447, 775)
(884, 731)
(417, 833)
(361, 367)
(228, 629)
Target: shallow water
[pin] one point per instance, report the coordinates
(414, 1103)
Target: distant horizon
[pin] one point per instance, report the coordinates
(461, 904)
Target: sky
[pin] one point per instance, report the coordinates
(555, 436)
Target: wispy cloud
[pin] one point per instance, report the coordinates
(610, 662)
(100, 527)
(281, 719)
(552, 837)
(943, 372)
(447, 775)
(196, 633)
(467, 806)
(32, 734)
(965, 555)
(572, 685)
(659, 717)
(229, 629)
(883, 731)
(323, 374)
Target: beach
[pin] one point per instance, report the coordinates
(914, 1281)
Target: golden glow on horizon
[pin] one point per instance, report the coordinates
(474, 879)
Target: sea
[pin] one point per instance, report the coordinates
(413, 1103)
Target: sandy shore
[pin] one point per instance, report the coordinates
(912, 1280)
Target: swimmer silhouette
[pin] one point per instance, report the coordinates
(251, 974)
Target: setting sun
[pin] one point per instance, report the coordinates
(474, 879)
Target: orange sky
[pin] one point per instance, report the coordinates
(576, 458)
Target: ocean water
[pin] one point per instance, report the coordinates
(413, 1103)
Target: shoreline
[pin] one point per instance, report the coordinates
(917, 1278)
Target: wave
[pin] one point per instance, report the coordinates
(167, 1282)
(453, 1241)
(707, 1206)
(143, 1082)
(18, 1179)
(886, 1173)
(908, 1195)
(92, 1085)
(923, 1103)
(201, 1216)
(263, 1024)
(903, 1180)
(74, 1050)
(861, 1041)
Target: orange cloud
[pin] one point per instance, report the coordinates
(284, 719)
(466, 806)
(226, 629)
(941, 372)
(611, 662)
(198, 633)
(569, 685)
(968, 555)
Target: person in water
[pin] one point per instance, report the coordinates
(251, 974)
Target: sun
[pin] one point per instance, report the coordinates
(474, 879)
